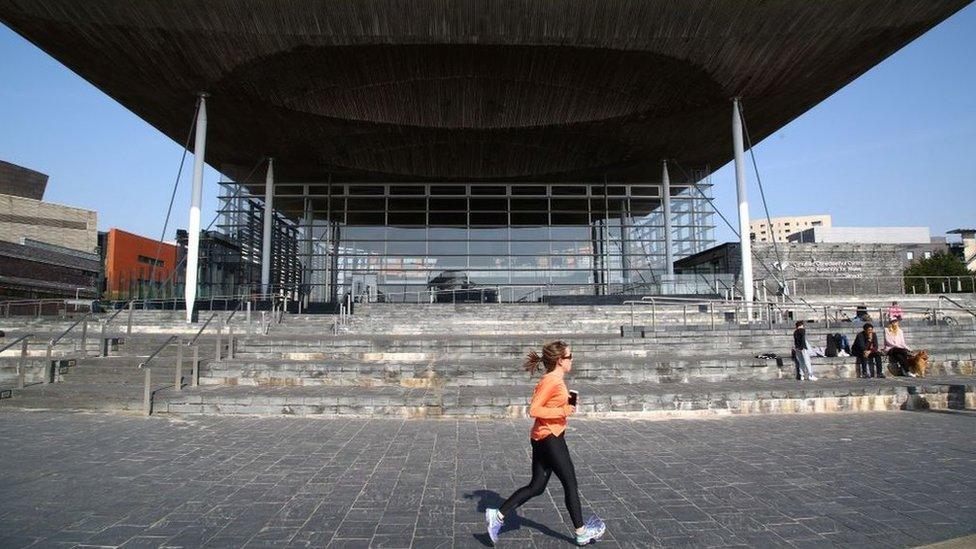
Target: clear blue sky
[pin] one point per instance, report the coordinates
(895, 147)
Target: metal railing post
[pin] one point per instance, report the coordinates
(711, 315)
(653, 316)
(47, 363)
(22, 365)
(217, 346)
(178, 382)
(84, 337)
(230, 342)
(147, 393)
(103, 351)
(128, 328)
(195, 367)
(248, 318)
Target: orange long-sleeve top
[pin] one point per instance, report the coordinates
(550, 406)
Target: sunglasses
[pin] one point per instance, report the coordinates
(568, 357)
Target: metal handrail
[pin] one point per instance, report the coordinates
(200, 331)
(145, 363)
(957, 304)
(55, 340)
(14, 342)
(115, 314)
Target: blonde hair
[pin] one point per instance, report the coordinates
(551, 353)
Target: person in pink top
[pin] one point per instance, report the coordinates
(896, 347)
(894, 312)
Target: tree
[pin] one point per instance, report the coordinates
(937, 268)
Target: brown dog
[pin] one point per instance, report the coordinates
(918, 363)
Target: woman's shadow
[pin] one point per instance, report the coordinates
(489, 499)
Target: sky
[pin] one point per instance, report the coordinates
(896, 147)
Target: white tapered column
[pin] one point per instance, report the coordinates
(266, 235)
(745, 243)
(196, 198)
(668, 238)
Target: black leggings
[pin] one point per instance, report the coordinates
(549, 455)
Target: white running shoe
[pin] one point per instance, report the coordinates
(493, 523)
(812, 378)
(592, 531)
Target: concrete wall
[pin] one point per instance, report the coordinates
(19, 181)
(864, 235)
(64, 226)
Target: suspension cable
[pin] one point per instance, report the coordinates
(719, 212)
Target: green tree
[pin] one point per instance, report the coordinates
(938, 267)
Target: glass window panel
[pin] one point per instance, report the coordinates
(289, 190)
(448, 218)
(612, 190)
(438, 247)
(489, 204)
(440, 262)
(571, 233)
(578, 190)
(438, 233)
(530, 248)
(488, 189)
(529, 190)
(354, 233)
(653, 190)
(366, 189)
(442, 204)
(530, 204)
(407, 218)
(489, 218)
(376, 218)
(637, 206)
(530, 218)
(366, 204)
(489, 248)
(405, 233)
(447, 189)
(407, 189)
(396, 247)
(407, 204)
(570, 204)
(489, 234)
(530, 233)
(562, 217)
(489, 261)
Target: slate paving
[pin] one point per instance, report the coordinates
(890, 479)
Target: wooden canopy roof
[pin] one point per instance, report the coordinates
(470, 90)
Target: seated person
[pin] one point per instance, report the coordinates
(894, 312)
(897, 348)
(865, 349)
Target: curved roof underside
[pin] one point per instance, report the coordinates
(476, 90)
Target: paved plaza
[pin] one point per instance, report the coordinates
(892, 479)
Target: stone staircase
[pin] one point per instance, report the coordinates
(464, 361)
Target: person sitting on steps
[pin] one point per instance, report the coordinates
(865, 349)
(897, 348)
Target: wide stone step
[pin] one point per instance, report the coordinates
(487, 372)
(637, 400)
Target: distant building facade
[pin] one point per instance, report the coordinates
(137, 266)
(965, 249)
(46, 250)
(779, 229)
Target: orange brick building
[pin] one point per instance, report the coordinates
(129, 260)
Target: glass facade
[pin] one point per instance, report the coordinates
(404, 239)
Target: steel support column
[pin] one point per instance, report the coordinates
(266, 236)
(196, 198)
(666, 202)
(745, 243)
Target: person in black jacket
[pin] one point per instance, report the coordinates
(801, 353)
(866, 351)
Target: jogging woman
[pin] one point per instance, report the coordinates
(550, 407)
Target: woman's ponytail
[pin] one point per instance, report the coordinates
(532, 362)
(551, 353)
